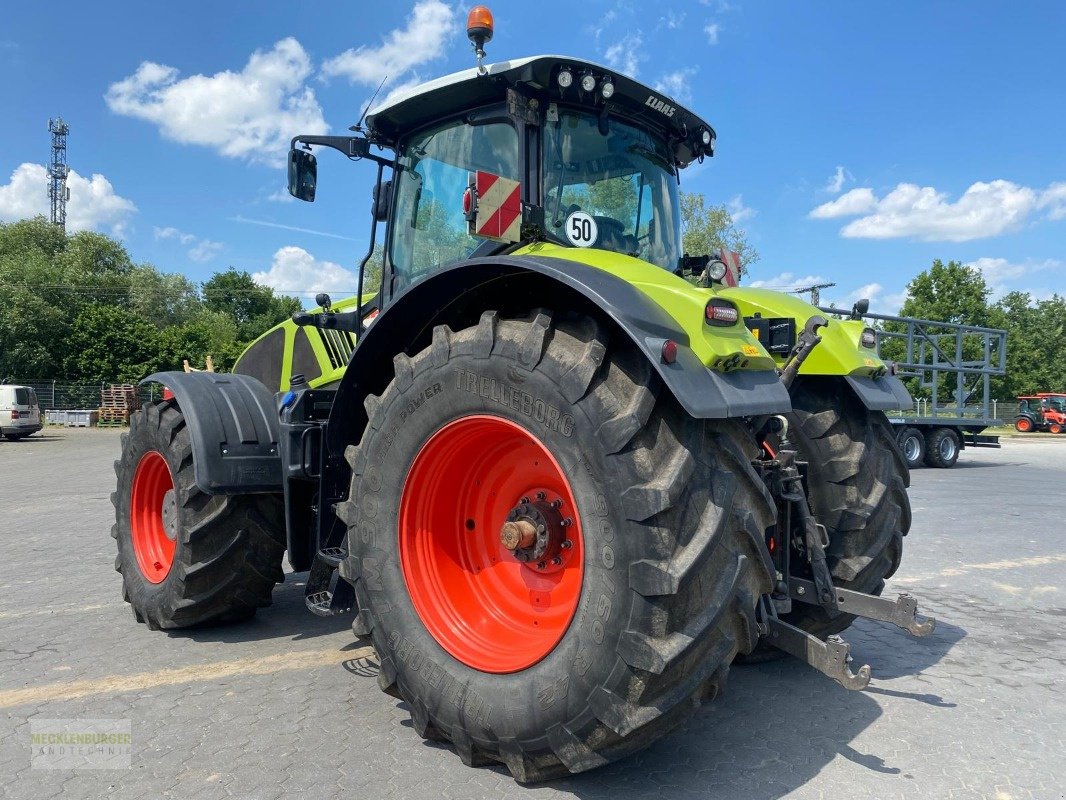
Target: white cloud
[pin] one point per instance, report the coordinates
(200, 250)
(173, 233)
(625, 55)
(429, 28)
(675, 84)
(837, 180)
(296, 271)
(280, 196)
(857, 201)
(1054, 200)
(999, 272)
(268, 224)
(250, 114)
(93, 203)
(395, 91)
(738, 211)
(205, 250)
(983, 210)
(787, 280)
(672, 20)
(712, 29)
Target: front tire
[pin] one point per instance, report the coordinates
(857, 487)
(188, 558)
(550, 668)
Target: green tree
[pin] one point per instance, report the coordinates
(948, 292)
(108, 343)
(708, 229)
(206, 333)
(253, 307)
(373, 270)
(951, 293)
(1036, 344)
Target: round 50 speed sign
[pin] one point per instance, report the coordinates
(581, 229)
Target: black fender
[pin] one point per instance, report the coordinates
(457, 295)
(886, 393)
(234, 429)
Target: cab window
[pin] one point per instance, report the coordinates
(430, 230)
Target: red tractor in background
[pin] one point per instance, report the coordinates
(1043, 411)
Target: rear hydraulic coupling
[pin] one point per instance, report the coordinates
(805, 343)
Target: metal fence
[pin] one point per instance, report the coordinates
(65, 396)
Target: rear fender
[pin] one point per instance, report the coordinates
(234, 429)
(457, 296)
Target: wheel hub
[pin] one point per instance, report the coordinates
(535, 532)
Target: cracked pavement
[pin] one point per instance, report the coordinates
(289, 703)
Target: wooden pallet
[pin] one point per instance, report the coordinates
(119, 396)
(110, 417)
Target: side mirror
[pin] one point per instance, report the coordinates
(303, 174)
(382, 201)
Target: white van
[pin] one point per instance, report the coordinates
(20, 415)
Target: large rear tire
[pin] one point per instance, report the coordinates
(857, 483)
(188, 558)
(550, 667)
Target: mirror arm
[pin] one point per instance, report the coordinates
(352, 146)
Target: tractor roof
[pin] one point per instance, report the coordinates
(410, 109)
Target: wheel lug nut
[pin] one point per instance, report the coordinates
(541, 565)
(557, 561)
(557, 503)
(567, 544)
(566, 523)
(524, 501)
(541, 495)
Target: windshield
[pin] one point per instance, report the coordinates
(430, 228)
(625, 180)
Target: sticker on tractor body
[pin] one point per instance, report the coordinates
(581, 229)
(493, 207)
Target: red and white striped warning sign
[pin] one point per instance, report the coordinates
(499, 207)
(732, 263)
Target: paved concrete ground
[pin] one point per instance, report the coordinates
(288, 703)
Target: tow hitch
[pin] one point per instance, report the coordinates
(796, 546)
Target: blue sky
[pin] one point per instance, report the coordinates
(856, 141)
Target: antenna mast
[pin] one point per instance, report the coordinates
(58, 171)
(816, 295)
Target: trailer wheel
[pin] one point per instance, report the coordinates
(556, 565)
(942, 447)
(912, 446)
(188, 558)
(857, 483)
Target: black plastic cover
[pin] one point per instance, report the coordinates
(886, 393)
(234, 430)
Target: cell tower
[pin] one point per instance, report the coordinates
(58, 171)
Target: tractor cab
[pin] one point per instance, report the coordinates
(541, 149)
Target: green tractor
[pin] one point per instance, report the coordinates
(558, 485)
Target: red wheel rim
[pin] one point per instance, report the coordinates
(151, 545)
(482, 604)
(1023, 425)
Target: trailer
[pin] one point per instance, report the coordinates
(952, 365)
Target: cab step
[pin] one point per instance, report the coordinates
(327, 593)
